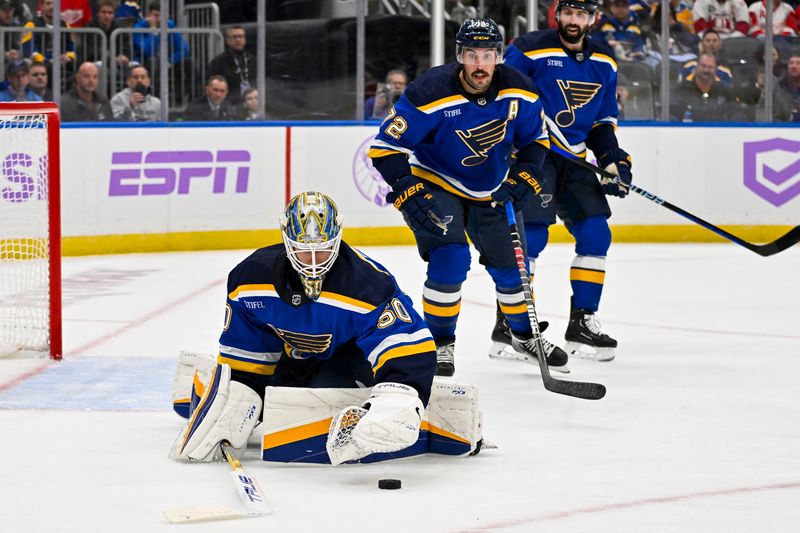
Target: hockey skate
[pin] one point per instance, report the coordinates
(445, 360)
(585, 339)
(503, 347)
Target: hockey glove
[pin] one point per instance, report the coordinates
(520, 183)
(418, 206)
(621, 168)
(387, 422)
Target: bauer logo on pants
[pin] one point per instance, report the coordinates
(161, 173)
(772, 169)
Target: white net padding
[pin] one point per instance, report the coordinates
(24, 230)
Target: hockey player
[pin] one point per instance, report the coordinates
(313, 312)
(576, 79)
(445, 150)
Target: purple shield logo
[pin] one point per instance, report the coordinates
(775, 185)
(368, 180)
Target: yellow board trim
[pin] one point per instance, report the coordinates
(264, 369)
(436, 310)
(384, 236)
(590, 276)
(296, 434)
(403, 351)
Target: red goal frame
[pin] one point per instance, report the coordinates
(50, 110)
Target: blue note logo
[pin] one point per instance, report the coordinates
(576, 95)
(481, 139)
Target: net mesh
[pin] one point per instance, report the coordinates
(24, 241)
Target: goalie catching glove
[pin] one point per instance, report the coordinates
(621, 168)
(388, 421)
(520, 182)
(418, 206)
(227, 411)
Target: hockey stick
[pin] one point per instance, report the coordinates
(780, 244)
(250, 492)
(578, 389)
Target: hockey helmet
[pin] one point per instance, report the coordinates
(479, 33)
(589, 6)
(311, 227)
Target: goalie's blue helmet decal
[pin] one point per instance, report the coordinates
(587, 5)
(479, 33)
(311, 227)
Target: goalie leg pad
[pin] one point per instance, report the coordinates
(454, 419)
(228, 411)
(192, 372)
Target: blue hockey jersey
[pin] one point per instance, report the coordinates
(268, 317)
(461, 142)
(577, 90)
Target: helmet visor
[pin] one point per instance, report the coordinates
(478, 56)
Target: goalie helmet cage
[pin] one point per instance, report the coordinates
(30, 230)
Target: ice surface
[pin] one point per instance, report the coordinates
(699, 431)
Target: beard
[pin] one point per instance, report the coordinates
(572, 39)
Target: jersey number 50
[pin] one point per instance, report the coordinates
(393, 311)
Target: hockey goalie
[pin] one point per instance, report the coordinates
(321, 345)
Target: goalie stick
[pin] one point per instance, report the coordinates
(254, 502)
(578, 389)
(787, 240)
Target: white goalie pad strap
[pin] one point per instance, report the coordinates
(192, 372)
(227, 411)
(391, 423)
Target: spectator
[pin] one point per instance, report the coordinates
(11, 43)
(728, 17)
(213, 105)
(378, 107)
(235, 64)
(752, 93)
(39, 46)
(786, 94)
(251, 107)
(82, 103)
(40, 82)
(76, 13)
(620, 30)
(128, 13)
(784, 21)
(17, 77)
(104, 21)
(135, 103)
(711, 44)
(704, 98)
(146, 45)
(682, 42)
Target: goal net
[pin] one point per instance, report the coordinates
(30, 238)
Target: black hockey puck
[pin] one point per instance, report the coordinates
(389, 484)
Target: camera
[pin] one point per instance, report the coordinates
(141, 89)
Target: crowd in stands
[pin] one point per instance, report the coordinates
(229, 94)
(715, 55)
(715, 60)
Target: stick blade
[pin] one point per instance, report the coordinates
(576, 389)
(788, 240)
(187, 515)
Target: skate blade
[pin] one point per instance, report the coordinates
(591, 353)
(505, 352)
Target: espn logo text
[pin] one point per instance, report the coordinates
(178, 172)
(23, 177)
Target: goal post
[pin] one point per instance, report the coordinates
(30, 230)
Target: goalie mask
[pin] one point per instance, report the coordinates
(311, 227)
